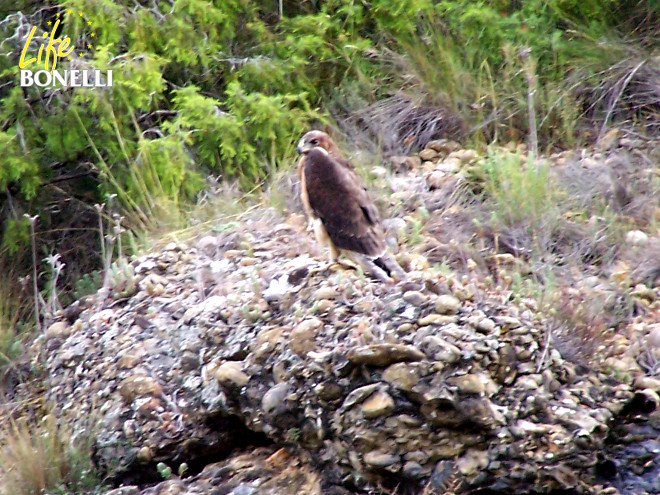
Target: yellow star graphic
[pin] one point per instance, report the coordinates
(58, 14)
(89, 22)
(89, 46)
(68, 11)
(81, 54)
(69, 57)
(49, 23)
(81, 14)
(92, 34)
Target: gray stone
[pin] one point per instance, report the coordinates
(415, 297)
(230, 373)
(446, 304)
(380, 459)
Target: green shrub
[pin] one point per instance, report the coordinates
(518, 189)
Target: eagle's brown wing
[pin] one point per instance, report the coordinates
(338, 198)
(345, 163)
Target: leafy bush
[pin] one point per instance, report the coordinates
(195, 93)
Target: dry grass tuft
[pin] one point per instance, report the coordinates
(402, 123)
(647, 269)
(626, 91)
(12, 313)
(585, 322)
(43, 457)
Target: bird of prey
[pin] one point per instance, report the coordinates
(343, 215)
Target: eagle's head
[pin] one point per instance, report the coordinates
(317, 139)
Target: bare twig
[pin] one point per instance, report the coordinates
(35, 286)
(529, 68)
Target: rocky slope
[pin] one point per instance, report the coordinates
(247, 364)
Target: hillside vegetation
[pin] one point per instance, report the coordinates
(208, 94)
(515, 143)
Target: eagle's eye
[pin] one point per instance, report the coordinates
(314, 142)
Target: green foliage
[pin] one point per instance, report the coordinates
(164, 470)
(474, 58)
(198, 88)
(18, 164)
(88, 284)
(467, 57)
(293, 435)
(518, 189)
(547, 27)
(122, 279)
(16, 234)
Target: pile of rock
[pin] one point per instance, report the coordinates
(246, 340)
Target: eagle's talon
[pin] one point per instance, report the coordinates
(337, 265)
(334, 266)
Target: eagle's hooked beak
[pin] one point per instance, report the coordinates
(303, 146)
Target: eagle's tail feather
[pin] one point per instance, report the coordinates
(367, 264)
(387, 263)
(384, 267)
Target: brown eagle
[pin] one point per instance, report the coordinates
(342, 213)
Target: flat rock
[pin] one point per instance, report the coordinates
(384, 354)
(468, 384)
(380, 459)
(379, 404)
(402, 375)
(428, 154)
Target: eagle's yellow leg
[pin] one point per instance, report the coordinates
(323, 239)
